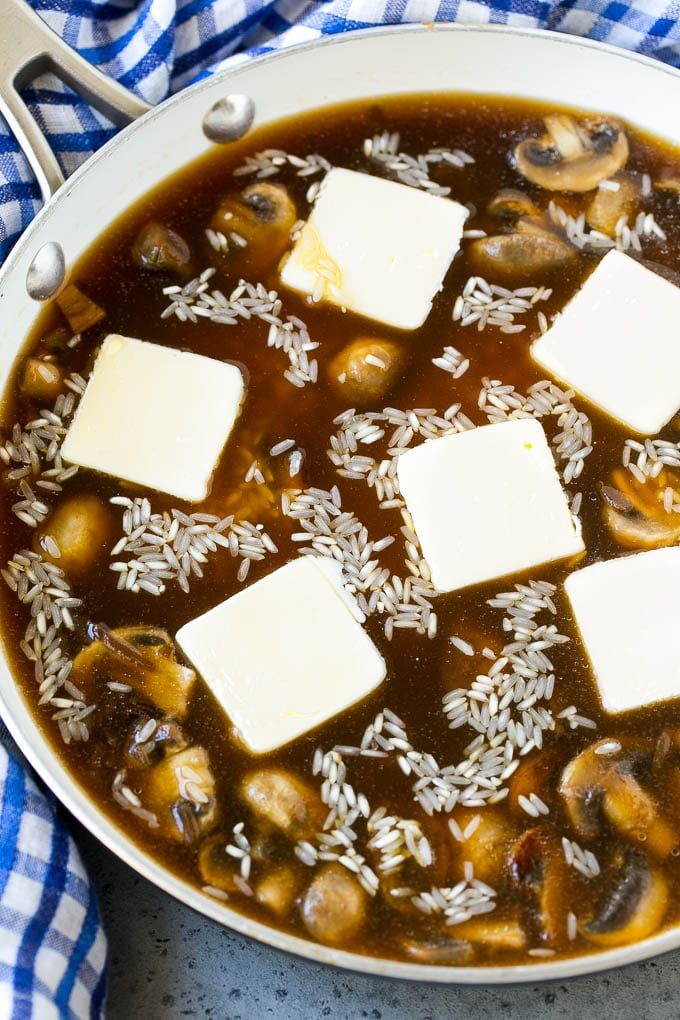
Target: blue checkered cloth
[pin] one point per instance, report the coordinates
(52, 949)
(52, 945)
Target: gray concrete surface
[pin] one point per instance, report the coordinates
(167, 962)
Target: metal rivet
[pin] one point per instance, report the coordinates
(46, 272)
(229, 118)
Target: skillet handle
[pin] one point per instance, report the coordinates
(31, 48)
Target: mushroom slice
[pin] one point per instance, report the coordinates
(600, 781)
(258, 221)
(490, 833)
(82, 527)
(537, 864)
(151, 740)
(42, 379)
(612, 200)
(510, 203)
(180, 791)
(265, 477)
(535, 775)
(141, 657)
(519, 254)
(218, 868)
(334, 906)
(366, 369)
(634, 905)
(573, 156)
(278, 890)
(158, 247)
(440, 950)
(493, 933)
(283, 802)
(635, 512)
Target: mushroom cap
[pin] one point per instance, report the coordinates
(439, 949)
(366, 369)
(537, 865)
(161, 248)
(619, 198)
(600, 783)
(510, 204)
(142, 656)
(573, 156)
(633, 907)
(635, 512)
(334, 906)
(270, 203)
(520, 254)
(282, 802)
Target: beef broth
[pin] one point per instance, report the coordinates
(526, 893)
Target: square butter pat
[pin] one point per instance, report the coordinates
(376, 247)
(486, 503)
(616, 343)
(627, 611)
(155, 416)
(285, 654)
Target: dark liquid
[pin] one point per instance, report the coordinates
(420, 671)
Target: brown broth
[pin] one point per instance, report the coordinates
(420, 671)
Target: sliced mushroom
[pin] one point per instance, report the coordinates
(537, 864)
(520, 254)
(263, 478)
(573, 156)
(151, 740)
(489, 839)
(633, 907)
(218, 868)
(600, 782)
(441, 950)
(493, 934)
(635, 531)
(259, 222)
(635, 512)
(283, 802)
(41, 379)
(142, 657)
(278, 890)
(180, 791)
(334, 906)
(510, 204)
(612, 200)
(535, 775)
(82, 527)
(269, 848)
(160, 248)
(366, 369)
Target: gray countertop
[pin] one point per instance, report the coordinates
(167, 962)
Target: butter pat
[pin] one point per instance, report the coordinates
(375, 247)
(616, 343)
(627, 611)
(284, 655)
(486, 503)
(155, 416)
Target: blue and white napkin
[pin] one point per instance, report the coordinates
(52, 948)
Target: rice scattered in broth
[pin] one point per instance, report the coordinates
(403, 795)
